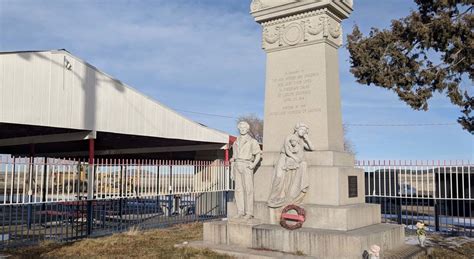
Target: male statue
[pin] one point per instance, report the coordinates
(246, 156)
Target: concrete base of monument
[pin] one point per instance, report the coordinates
(328, 243)
(243, 252)
(319, 243)
(231, 232)
(328, 185)
(346, 217)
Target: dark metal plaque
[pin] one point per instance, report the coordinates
(352, 186)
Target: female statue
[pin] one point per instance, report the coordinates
(290, 180)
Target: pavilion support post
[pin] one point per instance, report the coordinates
(226, 154)
(91, 171)
(90, 186)
(227, 180)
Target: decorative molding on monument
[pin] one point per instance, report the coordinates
(265, 10)
(258, 5)
(302, 29)
(345, 4)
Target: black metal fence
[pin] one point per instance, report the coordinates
(436, 193)
(26, 224)
(65, 200)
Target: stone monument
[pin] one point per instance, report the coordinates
(301, 39)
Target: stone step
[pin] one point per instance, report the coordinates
(328, 243)
(319, 243)
(242, 252)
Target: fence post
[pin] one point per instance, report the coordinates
(30, 180)
(399, 210)
(89, 217)
(13, 181)
(44, 191)
(158, 185)
(436, 211)
(398, 198)
(225, 202)
(121, 194)
(170, 191)
(90, 197)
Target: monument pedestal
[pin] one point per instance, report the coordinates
(339, 224)
(314, 242)
(329, 185)
(344, 218)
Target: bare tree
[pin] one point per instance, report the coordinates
(256, 126)
(256, 131)
(348, 145)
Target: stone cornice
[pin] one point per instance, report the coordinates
(312, 27)
(265, 10)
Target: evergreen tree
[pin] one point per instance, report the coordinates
(431, 50)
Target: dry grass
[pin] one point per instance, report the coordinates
(443, 249)
(159, 243)
(133, 243)
(34, 251)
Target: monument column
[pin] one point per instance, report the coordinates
(301, 39)
(302, 81)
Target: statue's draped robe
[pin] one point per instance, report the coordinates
(288, 186)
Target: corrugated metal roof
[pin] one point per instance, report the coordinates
(37, 89)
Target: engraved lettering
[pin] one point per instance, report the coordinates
(293, 91)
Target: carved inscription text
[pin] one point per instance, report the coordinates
(294, 92)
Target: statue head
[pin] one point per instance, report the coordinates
(301, 129)
(243, 127)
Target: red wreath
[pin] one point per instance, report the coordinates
(299, 218)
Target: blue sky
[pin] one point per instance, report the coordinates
(205, 56)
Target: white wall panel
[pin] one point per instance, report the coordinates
(8, 92)
(37, 89)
